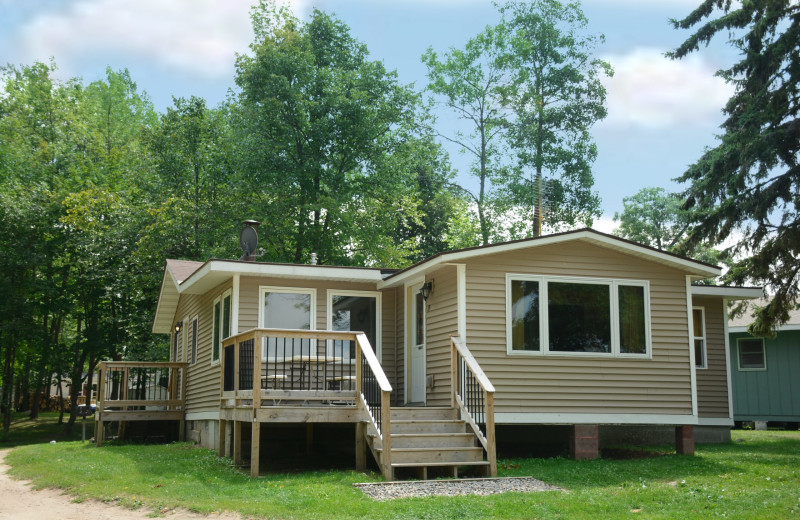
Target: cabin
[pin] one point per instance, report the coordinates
(601, 337)
(765, 383)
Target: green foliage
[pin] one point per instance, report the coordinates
(529, 90)
(320, 131)
(652, 217)
(746, 187)
(655, 218)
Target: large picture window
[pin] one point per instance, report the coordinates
(575, 316)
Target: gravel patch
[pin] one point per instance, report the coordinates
(452, 487)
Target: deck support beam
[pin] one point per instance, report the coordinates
(255, 445)
(221, 438)
(237, 442)
(309, 439)
(361, 446)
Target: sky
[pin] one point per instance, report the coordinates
(662, 113)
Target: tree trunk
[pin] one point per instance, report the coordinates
(8, 382)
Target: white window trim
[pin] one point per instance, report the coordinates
(702, 310)
(544, 339)
(219, 299)
(378, 315)
(739, 355)
(193, 341)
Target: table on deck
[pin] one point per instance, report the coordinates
(305, 363)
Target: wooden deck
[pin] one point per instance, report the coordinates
(271, 376)
(140, 391)
(293, 376)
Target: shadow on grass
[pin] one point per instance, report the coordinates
(25, 431)
(709, 460)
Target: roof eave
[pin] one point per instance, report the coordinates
(697, 270)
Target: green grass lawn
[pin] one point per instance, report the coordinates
(756, 476)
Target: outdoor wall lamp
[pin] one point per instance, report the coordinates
(178, 326)
(426, 290)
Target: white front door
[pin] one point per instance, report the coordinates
(417, 346)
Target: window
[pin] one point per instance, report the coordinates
(356, 311)
(751, 354)
(699, 335)
(286, 308)
(222, 324)
(193, 340)
(577, 316)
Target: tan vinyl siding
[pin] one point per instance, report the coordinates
(712, 382)
(442, 322)
(202, 383)
(572, 384)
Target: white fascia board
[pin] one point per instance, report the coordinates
(731, 293)
(160, 309)
(696, 269)
(592, 418)
(782, 328)
(301, 272)
(714, 421)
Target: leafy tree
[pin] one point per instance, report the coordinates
(316, 127)
(746, 187)
(651, 217)
(440, 206)
(529, 90)
(556, 95)
(193, 203)
(471, 81)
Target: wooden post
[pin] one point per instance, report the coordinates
(359, 368)
(453, 372)
(491, 443)
(361, 446)
(237, 442)
(255, 444)
(221, 437)
(386, 436)
(309, 439)
(182, 432)
(101, 397)
(255, 437)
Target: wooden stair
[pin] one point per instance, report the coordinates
(429, 437)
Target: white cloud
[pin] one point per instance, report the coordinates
(200, 37)
(650, 90)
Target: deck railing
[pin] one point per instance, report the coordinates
(473, 394)
(140, 391)
(283, 367)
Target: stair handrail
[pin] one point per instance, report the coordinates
(366, 359)
(459, 351)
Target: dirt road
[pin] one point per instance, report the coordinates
(18, 501)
